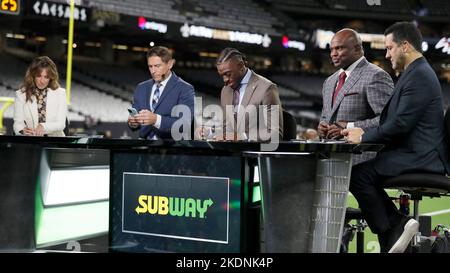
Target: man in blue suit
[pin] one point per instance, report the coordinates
(412, 130)
(154, 99)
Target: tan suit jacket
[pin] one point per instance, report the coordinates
(26, 112)
(259, 92)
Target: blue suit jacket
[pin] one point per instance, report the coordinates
(412, 125)
(176, 92)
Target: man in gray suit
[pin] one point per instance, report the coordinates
(355, 94)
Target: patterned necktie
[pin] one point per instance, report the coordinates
(341, 82)
(236, 95)
(155, 98)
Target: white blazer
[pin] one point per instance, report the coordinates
(26, 113)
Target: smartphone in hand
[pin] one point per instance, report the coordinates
(133, 112)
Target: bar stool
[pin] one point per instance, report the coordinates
(418, 185)
(351, 229)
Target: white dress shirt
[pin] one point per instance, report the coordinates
(243, 85)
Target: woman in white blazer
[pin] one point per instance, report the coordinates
(40, 107)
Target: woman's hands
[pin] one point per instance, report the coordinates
(39, 131)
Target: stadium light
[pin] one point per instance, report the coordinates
(149, 25)
(227, 35)
(70, 186)
(292, 44)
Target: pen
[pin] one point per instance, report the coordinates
(338, 125)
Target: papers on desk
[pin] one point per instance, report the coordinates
(85, 139)
(324, 141)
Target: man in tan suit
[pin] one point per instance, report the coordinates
(251, 104)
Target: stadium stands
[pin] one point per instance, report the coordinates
(306, 3)
(240, 15)
(112, 76)
(436, 7)
(243, 15)
(97, 104)
(84, 100)
(11, 74)
(309, 85)
(155, 9)
(400, 6)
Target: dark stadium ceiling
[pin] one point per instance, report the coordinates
(126, 32)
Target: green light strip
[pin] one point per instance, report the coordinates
(256, 194)
(54, 225)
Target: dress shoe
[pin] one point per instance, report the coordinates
(402, 234)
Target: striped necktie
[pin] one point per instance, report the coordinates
(155, 98)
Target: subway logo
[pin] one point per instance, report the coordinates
(173, 206)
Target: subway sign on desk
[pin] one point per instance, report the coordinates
(176, 206)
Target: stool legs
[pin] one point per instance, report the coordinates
(360, 236)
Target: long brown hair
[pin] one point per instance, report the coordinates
(35, 69)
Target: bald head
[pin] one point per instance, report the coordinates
(350, 35)
(346, 48)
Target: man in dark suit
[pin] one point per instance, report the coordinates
(412, 131)
(154, 99)
(355, 94)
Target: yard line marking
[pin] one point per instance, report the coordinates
(439, 212)
(387, 190)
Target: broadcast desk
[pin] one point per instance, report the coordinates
(167, 196)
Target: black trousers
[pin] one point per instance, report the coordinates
(378, 209)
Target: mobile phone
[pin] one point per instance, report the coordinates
(132, 111)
